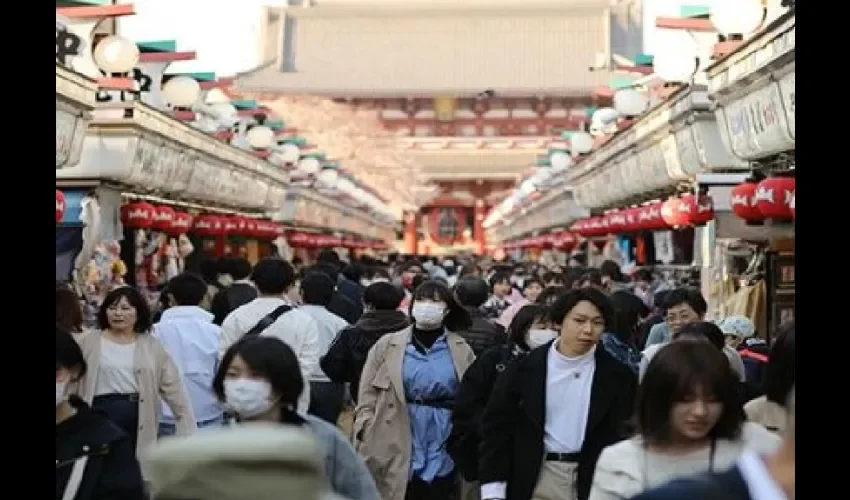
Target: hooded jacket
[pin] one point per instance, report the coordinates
(347, 355)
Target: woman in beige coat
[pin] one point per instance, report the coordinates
(129, 370)
(406, 395)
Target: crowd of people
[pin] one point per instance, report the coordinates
(431, 379)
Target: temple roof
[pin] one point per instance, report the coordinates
(394, 51)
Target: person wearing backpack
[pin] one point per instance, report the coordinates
(273, 314)
(240, 292)
(529, 328)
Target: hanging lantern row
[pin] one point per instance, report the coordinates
(772, 198)
(60, 206)
(299, 239)
(143, 215)
(682, 211)
(562, 241)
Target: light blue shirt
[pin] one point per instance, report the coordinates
(430, 376)
(191, 339)
(658, 334)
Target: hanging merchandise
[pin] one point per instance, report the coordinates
(60, 206)
(663, 246)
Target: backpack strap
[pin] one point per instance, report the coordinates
(75, 478)
(268, 320)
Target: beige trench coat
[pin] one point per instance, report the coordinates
(156, 376)
(381, 423)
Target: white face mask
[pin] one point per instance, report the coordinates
(364, 282)
(60, 392)
(248, 397)
(428, 315)
(540, 336)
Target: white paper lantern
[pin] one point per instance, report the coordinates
(290, 153)
(309, 165)
(328, 177)
(560, 160)
(527, 187)
(736, 17)
(116, 54)
(605, 116)
(224, 110)
(630, 102)
(181, 91)
(675, 58)
(345, 186)
(260, 137)
(216, 96)
(581, 142)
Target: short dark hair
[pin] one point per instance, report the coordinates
(273, 276)
(187, 289)
(628, 311)
(522, 322)
(208, 268)
(457, 319)
(704, 329)
(68, 354)
(135, 299)
(241, 268)
(353, 272)
(689, 296)
(781, 370)
(550, 294)
(328, 255)
(269, 358)
(672, 376)
(612, 270)
(530, 281)
(326, 268)
(556, 277)
(566, 302)
(224, 265)
(382, 296)
(591, 277)
(471, 291)
(317, 288)
(500, 277)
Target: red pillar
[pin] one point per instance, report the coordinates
(410, 235)
(478, 228)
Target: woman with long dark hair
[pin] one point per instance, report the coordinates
(688, 419)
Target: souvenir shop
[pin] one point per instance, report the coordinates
(752, 266)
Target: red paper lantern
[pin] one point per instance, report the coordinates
(630, 220)
(163, 216)
(616, 221)
(743, 202)
(230, 225)
(250, 227)
(700, 208)
(649, 218)
(277, 230)
(675, 213)
(793, 205)
(297, 239)
(138, 215)
(60, 206)
(208, 225)
(180, 224)
(773, 197)
(565, 241)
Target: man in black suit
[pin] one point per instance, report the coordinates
(240, 292)
(752, 478)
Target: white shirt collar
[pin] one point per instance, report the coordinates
(760, 483)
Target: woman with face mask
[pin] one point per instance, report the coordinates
(529, 329)
(688, 422)
(260, 380)
(407, 393)
(94, 458)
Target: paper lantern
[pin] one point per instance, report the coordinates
(649, 218)
(736, 17)
(163, 216)
(60, 206)
(180, 224)
(773, 198)
(616, 221)
(208, 225)
(793, 205)
(229, 225)
(700, 208)
(630, 217)
(742, 201)
(240, 225)
(674, 212)
(138, 215)
(630, 102)
(251, 227)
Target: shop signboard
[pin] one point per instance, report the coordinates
(787, 87)
(757, 124)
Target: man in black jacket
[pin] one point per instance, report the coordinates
(347, 355)
(239, 293)
(341, 304)
(471, 293)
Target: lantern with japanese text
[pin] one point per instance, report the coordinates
(163, 216)
(616, 221)
(773, 197)
(250, 227)
(180, 224)
(649, 217)
(630, 220)
(230, 225)
(60, 206)
(208, 225)
(138, 215)
(297, 239)
(675, 213)
(742, 201)
(700, 208)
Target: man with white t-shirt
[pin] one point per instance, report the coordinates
(273, 278)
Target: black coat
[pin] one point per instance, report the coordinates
(512, 425)
(112, 471)
(474, 393)
(229, 299)
(482, 334)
